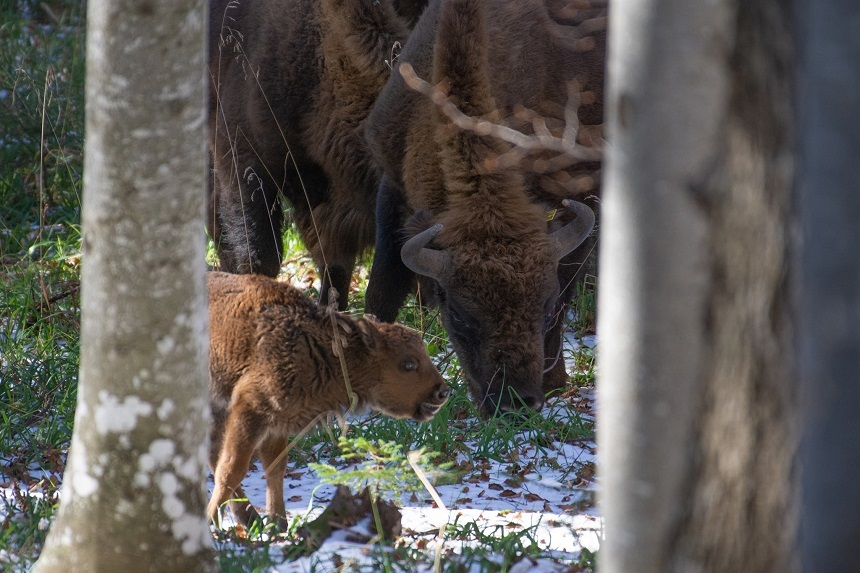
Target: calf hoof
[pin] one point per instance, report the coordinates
(244, 512)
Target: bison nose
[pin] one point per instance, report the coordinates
(533, 402)
(441, 393)
(513, 401)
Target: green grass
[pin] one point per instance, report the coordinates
(41, 143)
(41, 165)
(42, 69)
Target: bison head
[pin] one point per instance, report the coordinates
(497, 299)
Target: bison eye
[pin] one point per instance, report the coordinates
(408, 365)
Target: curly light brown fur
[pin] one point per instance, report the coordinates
(273, 371)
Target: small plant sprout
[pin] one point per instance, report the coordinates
(381, 466)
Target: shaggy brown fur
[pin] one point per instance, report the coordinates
(273, 370)
(507, 290)
(292, 82)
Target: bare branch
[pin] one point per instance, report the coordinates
(542, 140)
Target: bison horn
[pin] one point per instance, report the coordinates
(574, 233)
(427, 262)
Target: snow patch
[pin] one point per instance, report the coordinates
(141, 480)
(159, 455)
(124, 507)
(168, 484)
(161, 451)
(167, 406)
(165, 345)
(171, 505)
(189, 468)
(138, 379)
(83, 483)
(119, 417)
(196, 123)
(194, 533)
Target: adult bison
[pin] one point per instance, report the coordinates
(292, 82)
(492, 244)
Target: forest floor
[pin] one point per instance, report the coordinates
(519, 495)
(537, 504)
(538, 500)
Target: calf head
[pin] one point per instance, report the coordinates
(405, 383)
(497, 298)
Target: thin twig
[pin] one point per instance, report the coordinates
(542, 140)
(413, 458)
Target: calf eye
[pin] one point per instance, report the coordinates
(408, 365)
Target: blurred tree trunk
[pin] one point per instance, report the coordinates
(697, 422)
(133, 496)
(829, 200)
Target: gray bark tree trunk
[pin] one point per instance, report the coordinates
(828, 178)
(696, 423)
(133, 495)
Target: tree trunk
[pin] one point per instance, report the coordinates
(829, 172)
(133, 496)
(696, 421)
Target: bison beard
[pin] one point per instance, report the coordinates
(478, 237)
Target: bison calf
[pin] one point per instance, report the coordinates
(273, 371)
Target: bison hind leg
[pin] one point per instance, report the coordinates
(247, 224)
(336, 232)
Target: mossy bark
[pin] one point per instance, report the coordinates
(134, 495)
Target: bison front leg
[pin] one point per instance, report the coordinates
(571, 271)
(390, 280)
(242, 433)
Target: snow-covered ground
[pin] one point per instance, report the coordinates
(557, 506)
(548, 493)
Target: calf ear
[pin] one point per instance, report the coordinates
(369, 332)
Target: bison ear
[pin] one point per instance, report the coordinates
(369, 333)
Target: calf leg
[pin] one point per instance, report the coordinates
(243, 511)
(241, 435)
(274, 465)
